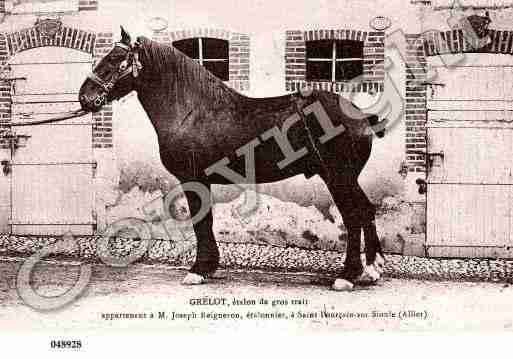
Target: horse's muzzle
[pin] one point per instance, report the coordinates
(92, 104)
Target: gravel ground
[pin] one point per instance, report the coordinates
(275, 258)
(149, 289)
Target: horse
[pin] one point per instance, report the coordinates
(200, 121)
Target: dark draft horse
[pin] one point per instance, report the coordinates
(199, 120)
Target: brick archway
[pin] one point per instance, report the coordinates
(453, 41)
(30, 38)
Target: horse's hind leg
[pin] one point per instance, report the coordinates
(357, 212)
(373, 253)
(207, 253)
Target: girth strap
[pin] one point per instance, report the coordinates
(299, 109)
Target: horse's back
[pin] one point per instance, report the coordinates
(339, 109)
(347, 152)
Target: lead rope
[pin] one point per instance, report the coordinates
(65, 116)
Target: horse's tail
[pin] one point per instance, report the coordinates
(349, 109)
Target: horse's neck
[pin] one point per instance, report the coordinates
(174, 88)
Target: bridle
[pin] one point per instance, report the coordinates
(130, 66)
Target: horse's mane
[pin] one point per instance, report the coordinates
(192, 79)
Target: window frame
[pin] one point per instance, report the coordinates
(201, 59)
(334, 60)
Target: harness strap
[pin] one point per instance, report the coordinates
(93, 77)
(133, 69)
(324, 168)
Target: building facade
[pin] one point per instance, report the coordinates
(445, 92)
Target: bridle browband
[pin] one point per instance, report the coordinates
(130, 66)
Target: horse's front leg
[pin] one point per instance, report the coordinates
(207, 253)
(342, 192)
(353, 267)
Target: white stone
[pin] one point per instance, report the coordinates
(277, 222)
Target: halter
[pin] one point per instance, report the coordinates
(131, 65)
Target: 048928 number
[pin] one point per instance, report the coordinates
(66, 344)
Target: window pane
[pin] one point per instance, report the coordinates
(348, 70)
(215, 48)
(189, 47)
(349, 49)
(321, 49)
(317, 70)
(218, 68)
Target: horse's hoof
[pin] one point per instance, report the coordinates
(369, 276)
(193, 279)
(217, 275)
(342, 285)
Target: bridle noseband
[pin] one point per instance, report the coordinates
(130, 66)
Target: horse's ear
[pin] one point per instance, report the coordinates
(125, 37)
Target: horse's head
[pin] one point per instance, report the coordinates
(113, 77)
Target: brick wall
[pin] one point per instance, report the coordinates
(373, 57)
(453, 41)
(415, 113)
(239, 44)
(239, 61)
(5, 90)
(30, 38)
(5, 86)
(102, 127)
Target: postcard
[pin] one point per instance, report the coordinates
(192, 167)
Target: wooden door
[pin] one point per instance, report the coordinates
(52, 172)
(470, 142)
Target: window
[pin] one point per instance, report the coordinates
(40, 6)
(210, 53)
(333, 60)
